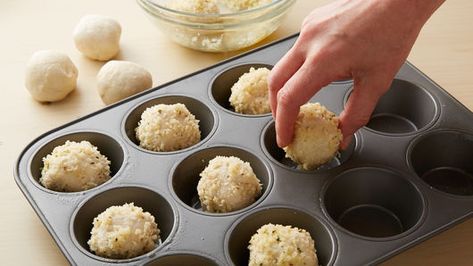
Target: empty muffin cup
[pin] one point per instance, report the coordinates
(238, 238)
(222, 84)
(149, 200)
(182, 259)
(186, 175)
(278, 155)
(443, 160)
(197, 108)
(105, 144)
(405, 108)
(373, 202)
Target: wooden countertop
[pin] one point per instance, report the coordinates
(444, 51)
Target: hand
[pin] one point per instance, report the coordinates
(365, 40)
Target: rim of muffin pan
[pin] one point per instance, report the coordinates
(342, 81)
(81, 220)
(222, 101)
(388, 112)
(200, 110)
(110, 147)
(184, 257)
(239, 234)
(277, 154)
(198, 160)
(366, 193)
(441, 160)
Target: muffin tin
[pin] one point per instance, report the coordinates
(407, 175)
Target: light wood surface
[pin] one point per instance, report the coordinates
(444, 51)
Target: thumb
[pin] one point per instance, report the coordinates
(360, 105)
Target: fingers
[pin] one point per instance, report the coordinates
(359, 108)
(280, 74)
(297, 91)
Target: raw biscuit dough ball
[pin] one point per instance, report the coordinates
(282, 245)
(238, 5)
(195, 6)
(316, 137)
(74, 166)
(166, 127)
(117, 80)
(97, 37)
(250, 92)
(123, 232)
(227, 184)
(50, 76)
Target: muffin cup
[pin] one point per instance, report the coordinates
(278, 155)
(374, 203)
(207, 120)
(443, 160)
(186, 175)
(179, 259)
(151, 201)
(222, 83)
(239, 235)
(105, 144)
(404, 109)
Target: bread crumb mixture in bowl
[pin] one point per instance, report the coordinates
(216, 25)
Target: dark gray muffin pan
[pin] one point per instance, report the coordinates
(407, 176)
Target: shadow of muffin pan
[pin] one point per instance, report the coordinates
(373, 202)
(278, 155)
(195, 107)
(404, 108)
(149, 200)
(220, 88)
(182, 259)
(105, 144)
(357, 210)
(444, 161)
(186, 175)
(238, 238)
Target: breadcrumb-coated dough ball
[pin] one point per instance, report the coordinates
(238, 5)
(278, 245)
(195, 6)
(117, 80)
(166, 127)
(50, 76)
(74, 166)
(250, 92)
(316, 137)
(123, 232)
(227, 184)
(97, 37)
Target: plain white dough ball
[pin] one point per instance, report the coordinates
(250, 93)
(50, 76)
(227, 184)
(97, 37)
(74, 166)
(316, 137)
(117, 80)
(277, 245)
(167, 127)
(123, 232)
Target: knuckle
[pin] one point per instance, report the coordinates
(284, 98)
(273, 81)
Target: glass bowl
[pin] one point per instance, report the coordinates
(217, 32)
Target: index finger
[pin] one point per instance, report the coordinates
(281, 73)
(307, 81)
